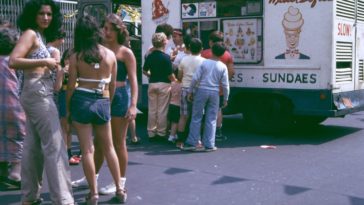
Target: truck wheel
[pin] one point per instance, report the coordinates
(269, 114)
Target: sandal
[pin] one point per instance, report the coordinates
(11, 184)
(36, 202)
(121, 195)
(74, 160)
(92, 199)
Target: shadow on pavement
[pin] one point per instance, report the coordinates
(238, 136)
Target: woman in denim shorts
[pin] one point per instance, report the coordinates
(89, 104)
(116, 38)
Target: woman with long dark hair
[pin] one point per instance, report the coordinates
(43, 147)
(116, 37)
(88, 105)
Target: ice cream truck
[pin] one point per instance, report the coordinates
(296, 61)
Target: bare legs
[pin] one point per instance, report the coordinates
(132, 132)
(103, 132)
(119, 131)
(66, 132)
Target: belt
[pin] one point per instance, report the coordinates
(95, 90)
(103, 93)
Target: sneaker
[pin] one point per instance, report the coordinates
(172, 138)
(11, 184)
(210, 149)
(82, 183)
(188, 147)
(179, 145)
(35, 202)
(108, 189)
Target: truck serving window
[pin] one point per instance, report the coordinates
(223, 8)
(241, 21)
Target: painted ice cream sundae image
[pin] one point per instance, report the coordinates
(292, 23)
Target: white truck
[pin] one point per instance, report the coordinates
(296, 61)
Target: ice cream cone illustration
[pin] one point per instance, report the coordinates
(292, 23)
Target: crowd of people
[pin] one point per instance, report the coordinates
(93, 89)
(174, 68)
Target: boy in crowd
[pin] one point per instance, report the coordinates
(204, 92)
(186, 69)
(226, 58)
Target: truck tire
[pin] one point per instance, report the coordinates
(270, 114)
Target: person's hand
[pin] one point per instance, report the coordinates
(224, 104)
(190, 97)
(131, 113)
(65, 69)
(174, 51)
(51, 63)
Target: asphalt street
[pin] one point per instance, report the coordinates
(322, 165)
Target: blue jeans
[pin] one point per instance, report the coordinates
(208, 101)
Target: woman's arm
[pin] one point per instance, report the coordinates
(146, 67)
(113, 76)
(71, 85)
(130, 63)
(56, 54)
(25, 45)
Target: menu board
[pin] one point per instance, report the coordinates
(207, 9)
(241, 38)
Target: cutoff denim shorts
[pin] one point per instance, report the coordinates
(119, 105)
(89, 108)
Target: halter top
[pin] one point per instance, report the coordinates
(121, 72)
(41, 52)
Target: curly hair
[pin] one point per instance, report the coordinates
(164, 28)
(8, 39)
(218, 49)
(60, 34)
(119, 27)
(216, 36)
(27, 19)
(87, 39)
(158, 40)
(66, 55)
